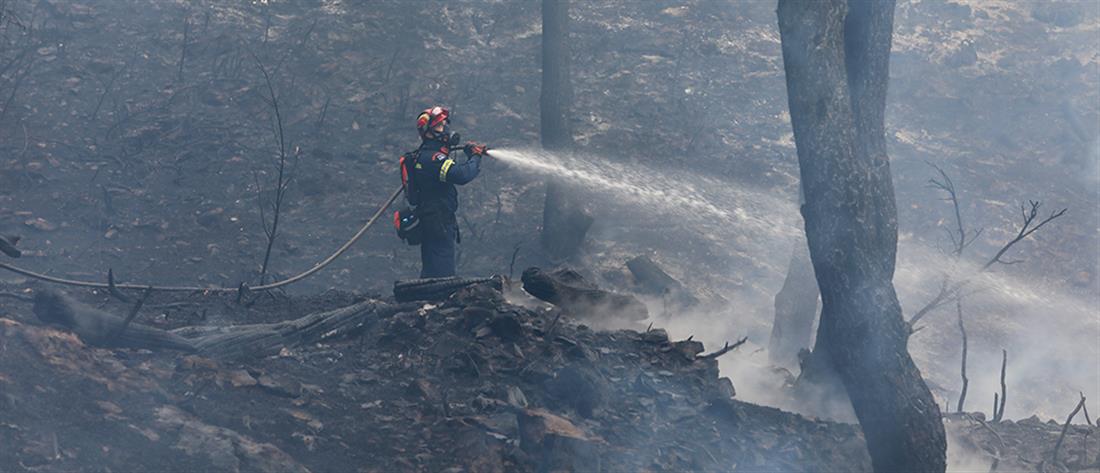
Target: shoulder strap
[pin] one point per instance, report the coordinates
(408, 163)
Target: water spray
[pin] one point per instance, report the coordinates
(693, 198)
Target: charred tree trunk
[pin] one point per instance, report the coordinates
(836, 58)
(962, 369)
(557, 90)
(795, 309)
(564, 220)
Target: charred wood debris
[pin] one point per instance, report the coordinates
(466, 382)
(462, 381)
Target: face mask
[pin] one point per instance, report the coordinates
(450, 139)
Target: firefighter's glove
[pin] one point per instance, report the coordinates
(474, 149)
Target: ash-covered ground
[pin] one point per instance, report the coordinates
(469, 384)
(472, 383)
(137, 137)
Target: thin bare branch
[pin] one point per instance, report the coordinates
(949, 292)
(133, 312)
(260, 203)
(281, 182)
(965, 380)
(1085, 407)
(1065, 428)
(1000, 440)
(999, 410)
(947, 186)
(945, 295)
(724, 350)
(112, 289)
(1027, 227)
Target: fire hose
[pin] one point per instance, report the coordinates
(317, 267)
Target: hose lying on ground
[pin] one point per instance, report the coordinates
(317, 267)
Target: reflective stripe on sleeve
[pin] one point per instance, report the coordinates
(443, 170)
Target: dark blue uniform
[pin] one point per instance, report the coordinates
(436, 177)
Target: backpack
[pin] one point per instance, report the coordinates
(408, 227)
(405, 221)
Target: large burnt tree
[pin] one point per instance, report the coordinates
(836, 56)
(564, 221)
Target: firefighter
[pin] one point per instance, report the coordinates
(435, 195)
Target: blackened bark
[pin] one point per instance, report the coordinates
(564, 221)
(557, 90)
(962, 370)
(796, 306)
(836, 58)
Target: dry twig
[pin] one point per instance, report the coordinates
(283, 180)
(133, 313)
(999, 409)
(1000, 440)
(1026, 229)
(951, 290)
(724, 350)
(112, 289)
(965, 380)
(1065, 428)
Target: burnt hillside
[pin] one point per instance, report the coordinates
(137, 137)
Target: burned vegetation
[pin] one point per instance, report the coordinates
(197, 271)
(470, 383)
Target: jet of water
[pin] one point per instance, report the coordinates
(690, 197)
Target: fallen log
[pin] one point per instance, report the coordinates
(100, 328)
(568, 290)
(260, 340)
(435, 289)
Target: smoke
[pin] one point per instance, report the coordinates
(732, 242)
(963, 455)
(1049, 333)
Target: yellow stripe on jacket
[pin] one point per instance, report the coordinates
(446, 167)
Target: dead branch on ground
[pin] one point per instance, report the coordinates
(133, 313)
(1000, 440)
(260, 340)
(112, 289)
(724, 350)
(1065, 428)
